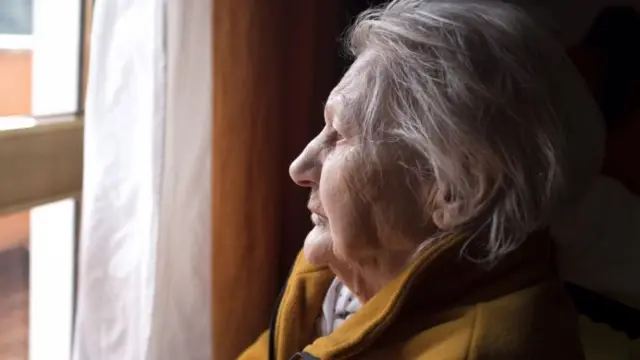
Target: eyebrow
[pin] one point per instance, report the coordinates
(334, 109)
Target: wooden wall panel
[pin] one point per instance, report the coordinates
(273, 65)
(247, 133)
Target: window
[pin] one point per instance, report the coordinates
(16, 17)
(40, 57)
(16, 43)
(43, 63)
(36, 282)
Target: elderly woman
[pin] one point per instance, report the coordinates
(449, 145)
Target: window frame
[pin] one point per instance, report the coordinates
(41, 164)
(41, 151)
(15, 42)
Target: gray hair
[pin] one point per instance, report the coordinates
(488, 101)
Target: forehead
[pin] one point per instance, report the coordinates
(343, 99)
(354, 78)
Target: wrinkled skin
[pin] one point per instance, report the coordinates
(369, 216)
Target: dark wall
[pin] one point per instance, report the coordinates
(317, 62)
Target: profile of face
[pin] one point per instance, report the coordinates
(365, 207)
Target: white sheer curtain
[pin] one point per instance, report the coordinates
(144, 271)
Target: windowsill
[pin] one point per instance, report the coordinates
(16, 42)
(16, 122)
(40, 163)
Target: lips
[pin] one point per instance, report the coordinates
(318, 220)
(317, 214)
(315, 206)
(317, 211)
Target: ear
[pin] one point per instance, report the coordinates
(447, 210)
(450, 208)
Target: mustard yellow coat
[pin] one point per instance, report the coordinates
(441, 307)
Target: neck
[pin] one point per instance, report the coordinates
(366, 277)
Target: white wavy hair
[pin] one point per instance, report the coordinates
(492, 110)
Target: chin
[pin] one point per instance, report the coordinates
(312, 256)
(318, 247)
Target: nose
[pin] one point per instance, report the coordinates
(305, 169)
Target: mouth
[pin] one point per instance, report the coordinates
(318, 220)
(316, 210)
(317, 216)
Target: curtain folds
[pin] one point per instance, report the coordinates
(144, 280)
(181, 319)
(190, 222)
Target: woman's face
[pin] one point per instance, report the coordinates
(359, 211)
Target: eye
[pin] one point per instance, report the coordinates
(336, 137)
(332, 137)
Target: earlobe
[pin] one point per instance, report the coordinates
(447, 216)
(446, 211)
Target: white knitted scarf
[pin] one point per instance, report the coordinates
(339, 304)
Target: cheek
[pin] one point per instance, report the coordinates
(371, 210)
(350, 218)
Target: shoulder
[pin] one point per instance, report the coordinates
(537, 322)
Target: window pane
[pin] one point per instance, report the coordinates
(16, 17)
(39, 59)
(37, 260)
(15, 87)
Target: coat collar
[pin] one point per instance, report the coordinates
(439, 278)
